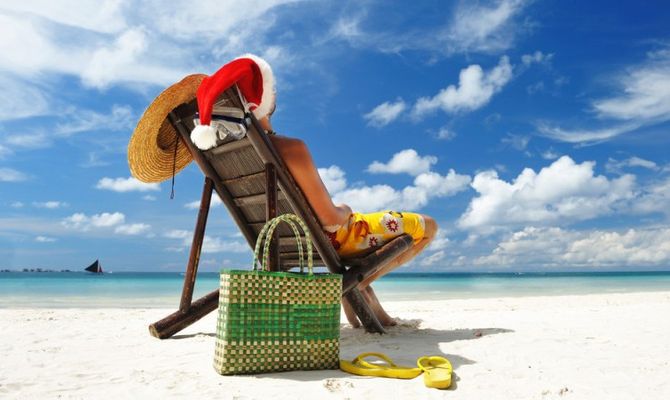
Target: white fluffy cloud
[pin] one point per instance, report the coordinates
(45, 239)
(125, 185)
(12, 175)
(562, 192)
(177, 234)
(385, 113)
(217, 245)
(655, 197)
(82, 222)
(195, 204)
(334, 178)
(440, 241)
(426, 186)
(119, 42)
(407, 161)
(210, 244)
(433, 259)
(475, 89)
(132, 229)
(556, 247)
(104, 221)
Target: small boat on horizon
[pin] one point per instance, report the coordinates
(95, 268)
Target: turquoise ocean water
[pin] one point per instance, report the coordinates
(139, 289)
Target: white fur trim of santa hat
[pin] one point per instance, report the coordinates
(204, 136)
(268, 97)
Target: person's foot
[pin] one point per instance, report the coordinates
(387, 321)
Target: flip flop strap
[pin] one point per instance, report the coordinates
(360, 360)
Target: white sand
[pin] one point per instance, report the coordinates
(574, 347)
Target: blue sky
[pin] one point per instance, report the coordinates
(535, 132)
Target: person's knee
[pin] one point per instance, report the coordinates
(431, 227)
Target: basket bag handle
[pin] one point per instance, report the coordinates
(266, 233)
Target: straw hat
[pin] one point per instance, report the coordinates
(151, 151)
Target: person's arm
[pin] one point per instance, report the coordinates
(299, 161)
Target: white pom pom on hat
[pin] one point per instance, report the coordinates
(204, 136)
(255, 80)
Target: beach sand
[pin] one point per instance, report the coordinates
(614, 346)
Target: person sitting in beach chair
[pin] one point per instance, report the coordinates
(352, 234)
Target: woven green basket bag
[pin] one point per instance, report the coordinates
(278, 321)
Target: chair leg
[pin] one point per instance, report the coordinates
(363, 311)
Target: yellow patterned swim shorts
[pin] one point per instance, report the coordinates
(366, 231)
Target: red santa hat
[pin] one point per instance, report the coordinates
(255, 81)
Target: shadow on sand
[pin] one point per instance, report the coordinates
(406, 337)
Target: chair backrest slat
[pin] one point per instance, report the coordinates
(239, 169)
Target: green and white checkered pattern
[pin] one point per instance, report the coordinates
(278, 321)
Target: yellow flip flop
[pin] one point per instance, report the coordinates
(436, 371)
(359, 366)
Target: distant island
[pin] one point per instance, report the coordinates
(35, 270)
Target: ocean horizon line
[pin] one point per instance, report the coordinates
(392, 274)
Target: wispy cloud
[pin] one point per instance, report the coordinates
(21, 99)
(537, 57)
(584, 135)
(445, 134)
(12, 175)
(126, 185)
(50, 204)
(487, 27)
(45, 239)
(119, 118)
(4, 151)
(29, 141)
(385, 113)
(616, 166)
(642, 99)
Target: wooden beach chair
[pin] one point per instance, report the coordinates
(255, 186)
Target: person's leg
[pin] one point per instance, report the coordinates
(429, 233)
(366, 289)
(375, 305)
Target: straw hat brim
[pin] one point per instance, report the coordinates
(151, 150)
